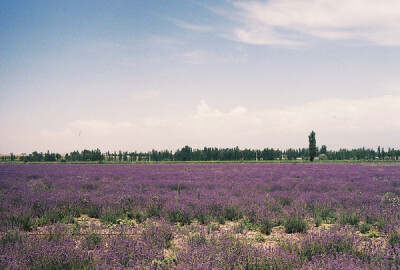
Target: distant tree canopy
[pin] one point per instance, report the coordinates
(187, 153)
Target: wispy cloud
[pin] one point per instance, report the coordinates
(297, 22)
(190, 26)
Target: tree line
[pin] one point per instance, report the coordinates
(209, 154)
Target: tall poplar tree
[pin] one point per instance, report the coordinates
(312, 148)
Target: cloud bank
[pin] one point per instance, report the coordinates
(298, 22)
(338, 123)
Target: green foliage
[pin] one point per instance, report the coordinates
(394, 238)
(153, 210)
(221, 220)
(259, 238)
(373, 234)
(179, 216)
(318, 221)
(295, 224)
(248, 224)
(349, 218)
(232, 213)
(93, 211)
(213, 227)
(23, 221)
(203, 218)
(265, 226)
(364, 227)
(323, 157)
(139, 216)
(11, 236)
(92, 241)
(312, 148)
(111, 216)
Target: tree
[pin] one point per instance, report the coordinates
(312, 148)
(323, 149)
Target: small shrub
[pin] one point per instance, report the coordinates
(232, 213)
(259, 238)
(318, 221)
(154, 211)
(92, 241)
(265, 226)
(203, 218)
(93, 211)
(75, 229)
(295, 224)
(111, 216)
(394, 238)
(179, 216)
(349, 218)
(364, 228)
(12, 236)
(380, 223)
(373, 234)
(23, 221)
(54, 216)
(213, 227)
(140, 216)
(327, 214)
(284, 201)
(248, 224)
(221, 220)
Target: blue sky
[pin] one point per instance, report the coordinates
(138, 75)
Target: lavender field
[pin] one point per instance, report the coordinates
(200, 216)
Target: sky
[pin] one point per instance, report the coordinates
(157, 74)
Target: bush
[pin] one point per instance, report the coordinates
(349, 218)
(232, 213)
(265, 226)
(203, 218)
(325, 213)
(12, 236)
(24, 221)
(178, 216)
(364, 228)
(248, 224)
(154, 210)
(394, 238)
(93, 211)
(111, 216)
(92, 241)
(318, 221)
(295, 224)
(259, 238)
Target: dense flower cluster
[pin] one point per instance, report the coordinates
(164, 198)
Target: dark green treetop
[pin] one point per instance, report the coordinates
(312, 148)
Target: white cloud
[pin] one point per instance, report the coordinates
(296, 22)
(338, 123)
